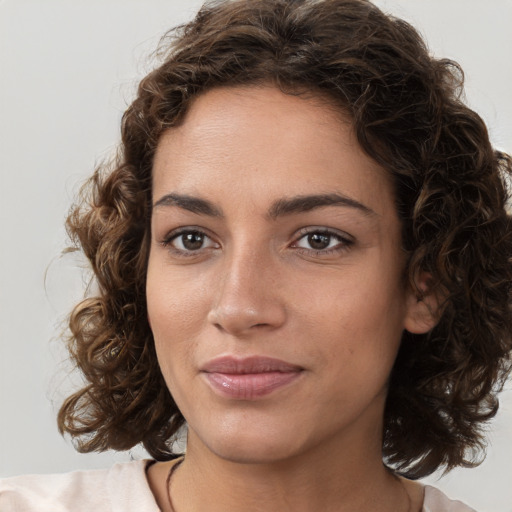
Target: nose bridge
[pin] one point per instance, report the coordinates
(248, 294)
(245, 263)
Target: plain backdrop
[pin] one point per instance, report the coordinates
(67, 71)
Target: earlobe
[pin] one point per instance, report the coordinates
(423, 305)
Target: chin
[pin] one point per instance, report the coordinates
(253, 447)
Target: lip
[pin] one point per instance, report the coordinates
(248, 378)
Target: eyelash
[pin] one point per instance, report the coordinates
(344, 241)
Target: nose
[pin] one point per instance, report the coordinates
(248, 298)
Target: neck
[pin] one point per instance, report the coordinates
(330, 478)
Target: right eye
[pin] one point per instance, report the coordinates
(189, 241)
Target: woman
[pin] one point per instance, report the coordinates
(302, 253)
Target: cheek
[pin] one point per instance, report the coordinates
(174, 299)
(177, 309)
(358, 320)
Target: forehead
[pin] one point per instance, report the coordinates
(249, 140)
(260, 112)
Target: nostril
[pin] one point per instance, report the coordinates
(240, 316)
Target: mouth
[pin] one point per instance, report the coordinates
(249, 378)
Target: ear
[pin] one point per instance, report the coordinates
(423, 305)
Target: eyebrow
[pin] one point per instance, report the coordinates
(190, 203)
(306, 203)
(280, 208)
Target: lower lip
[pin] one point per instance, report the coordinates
(249, 386)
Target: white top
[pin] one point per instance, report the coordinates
(122, 488)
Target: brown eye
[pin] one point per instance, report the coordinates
(323, 241)
(319, 241)
(190, 241)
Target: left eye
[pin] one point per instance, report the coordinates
(321, 241)
(188, 241)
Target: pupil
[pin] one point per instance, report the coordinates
(318, 240)
(192, 241)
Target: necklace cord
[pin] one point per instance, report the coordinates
(168, 483)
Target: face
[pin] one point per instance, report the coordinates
(275, 282)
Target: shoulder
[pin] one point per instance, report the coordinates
(436, 501)
(122, 488)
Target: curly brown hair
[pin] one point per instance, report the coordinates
(451, 193)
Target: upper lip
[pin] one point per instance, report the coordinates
(245, 365)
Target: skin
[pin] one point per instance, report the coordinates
(254, 285)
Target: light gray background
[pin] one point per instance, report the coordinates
(67, 71)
